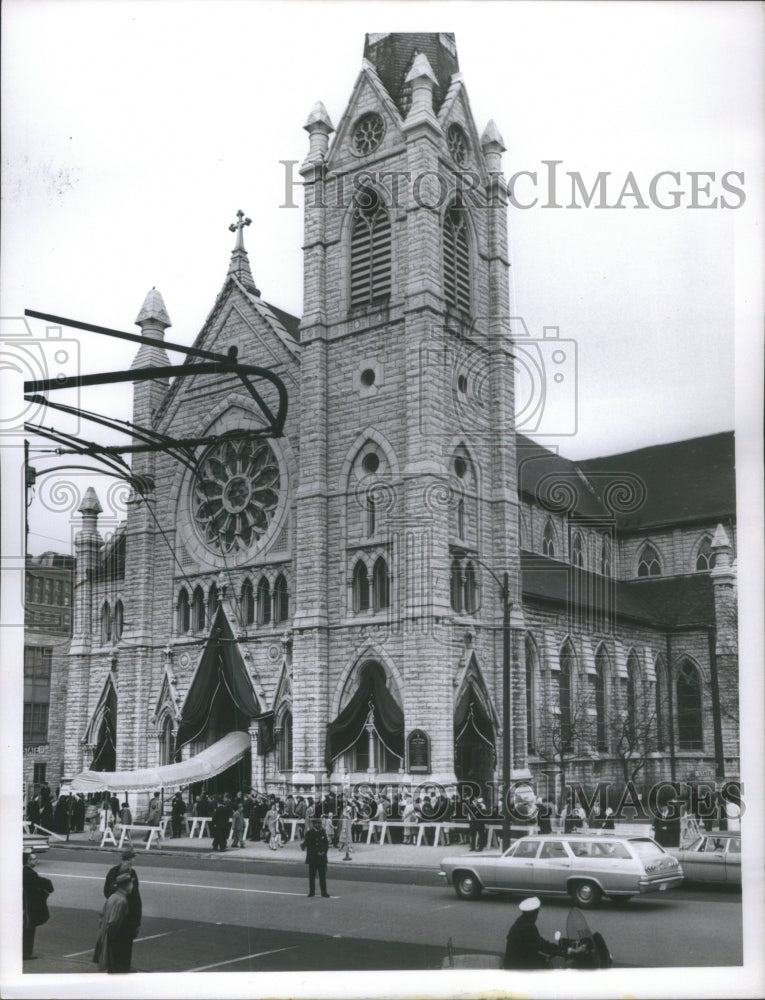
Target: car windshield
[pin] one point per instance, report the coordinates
(645, 847)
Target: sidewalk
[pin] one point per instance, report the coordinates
(363, 855)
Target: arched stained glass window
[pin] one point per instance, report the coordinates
(648, 564)
(183, 616)
(248, 603)
(264, 601)
(689, 716)
(360, 587)
(705, 557)
(198, 610)
(548, 540)
(280, 599)
(600, 681)
(577, 551)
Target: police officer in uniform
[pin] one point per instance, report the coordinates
(525, 947)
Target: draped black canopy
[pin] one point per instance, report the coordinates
(386, 714)
(472, 719)
(221, 698)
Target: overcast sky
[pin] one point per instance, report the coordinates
(132, 132)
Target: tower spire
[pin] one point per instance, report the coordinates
(239, 265)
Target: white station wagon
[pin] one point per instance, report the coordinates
(583, 866)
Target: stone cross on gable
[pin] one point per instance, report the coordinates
(238, 227)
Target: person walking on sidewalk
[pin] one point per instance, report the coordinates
(316, 848)
(177, 813)
(114, 946)
(271, 823)
(237, 827)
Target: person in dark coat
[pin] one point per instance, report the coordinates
(544, 819)
(115, 939)
(478, 816)
(525, 947)
(61, 815)
(36, 890)
(177, 812)
(78, 814)
(134, 911)
(666, 827)
(221, 823)
(33, 813)
(316, 849)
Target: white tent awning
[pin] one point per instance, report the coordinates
(206, 764)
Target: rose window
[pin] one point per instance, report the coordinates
(235, 494)
(457, 143)
(368, 134)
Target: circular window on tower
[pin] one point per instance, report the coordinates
(368, 133)
(235, 494)
(457, 142)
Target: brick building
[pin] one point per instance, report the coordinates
(47, 631)
(335, 593)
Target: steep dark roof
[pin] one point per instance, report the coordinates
(676, 483)
(392, 54)
(290, 323)
(661, 602)
(684, 481)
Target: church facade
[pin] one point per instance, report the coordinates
(347, 593)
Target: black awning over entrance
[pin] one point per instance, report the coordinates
(388, 719)
(471, 720)
(221, 699)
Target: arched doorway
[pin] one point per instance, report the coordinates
(474, 748)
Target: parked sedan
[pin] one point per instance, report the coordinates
(583, 866)
(713, 858)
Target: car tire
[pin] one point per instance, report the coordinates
(467, 886)
(586, 894)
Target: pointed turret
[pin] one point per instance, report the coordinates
(392, 54)
(493, 146)
(153, 321)
(239, 267)
(423, 82)
(319, 127)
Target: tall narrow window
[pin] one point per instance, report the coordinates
(456, 260)
(548, 540)
(470, 589)
(380, 584)
(633, 697)
(280, 599)
(648, 564)
(371, 516)
(689, 718)
(212, 600)
(600, 680)
(106, 623)
(705, 558)
(167, 742)
(360, 587)
(370, 250)
(37, 675)
(264, 602)
(285, 743)
(455, 584)
(577, 551)
(661, 694)
(605, 556)
(183, 618)
(565, 675)
(248, 603)
(119, 619)
(198, 610)
(460, 518)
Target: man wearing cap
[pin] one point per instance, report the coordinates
(316, 849)
(133, 920)
(525, 947)
(115, 938)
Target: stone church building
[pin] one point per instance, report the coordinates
(338, 595)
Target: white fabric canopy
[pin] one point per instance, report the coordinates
(206, 764)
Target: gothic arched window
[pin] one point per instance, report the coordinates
(119, 620)
(705, 557)
(470, 589)
(370, 250)
(548, 540)
(182, 615)
(633, 697)
(456, 259)
(198, 610)
(264, 601)
(605, 556)
(690, 728)
(106, 622)
(648, 563)
(248, 603)
(455, 585)
(360, 587)
(284, 745)
(280, 601)
(577, 551)
(661, 695)
(212, 600)
(600, 681)
(381, 596)
(167, 743)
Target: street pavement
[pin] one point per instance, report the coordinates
(246, 910)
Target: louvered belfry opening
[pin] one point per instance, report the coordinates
(370, 250)
(456, 260)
